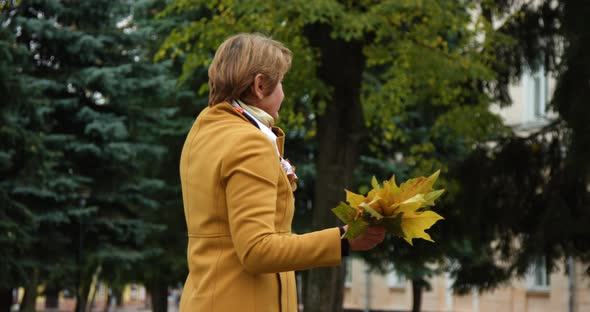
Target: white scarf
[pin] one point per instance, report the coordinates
(265, 129)
(248, 110)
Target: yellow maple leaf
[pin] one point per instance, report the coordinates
(410, 204)
(420, 185)
(354, 199)
(413, 224)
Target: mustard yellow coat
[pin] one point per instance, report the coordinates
(239, 205)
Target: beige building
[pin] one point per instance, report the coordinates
(134, 298)
(537, 292)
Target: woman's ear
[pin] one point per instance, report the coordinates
(258, 87)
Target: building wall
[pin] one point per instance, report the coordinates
(134, 296)
(514, 297)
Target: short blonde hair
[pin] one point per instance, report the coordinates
(237, 62)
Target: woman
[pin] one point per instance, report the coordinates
(238, 194)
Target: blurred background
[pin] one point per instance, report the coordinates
(97, 97)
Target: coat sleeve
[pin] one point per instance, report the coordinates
(251, 174)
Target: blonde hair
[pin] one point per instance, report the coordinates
(237, 62)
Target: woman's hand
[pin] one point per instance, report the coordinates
(372, 237)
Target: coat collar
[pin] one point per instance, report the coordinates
(237, 111)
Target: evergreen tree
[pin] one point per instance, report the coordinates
(21, 160)
(167, 268)
(539, 181)
(98, 109)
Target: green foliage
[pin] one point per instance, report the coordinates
(535, 187)
(426, 109)
(86, 117)
(212, 22)
(175, 118)
(514, 198)
(21, 159)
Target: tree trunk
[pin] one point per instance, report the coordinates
(340, 130)
(118, 295)
(29, 300)
(5, 299)
(115, 294)
(107, 305)
(94, 284)
(51, 297)
(417, 287)
(82, 296)
(159, 297)
(80, 303)
(30, 297)
(91, 300)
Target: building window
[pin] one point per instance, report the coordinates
(538, 103)
(395, 279)
(537, 277)
(535, 95)
(348, 276)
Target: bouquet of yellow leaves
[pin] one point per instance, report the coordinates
(403, 210)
